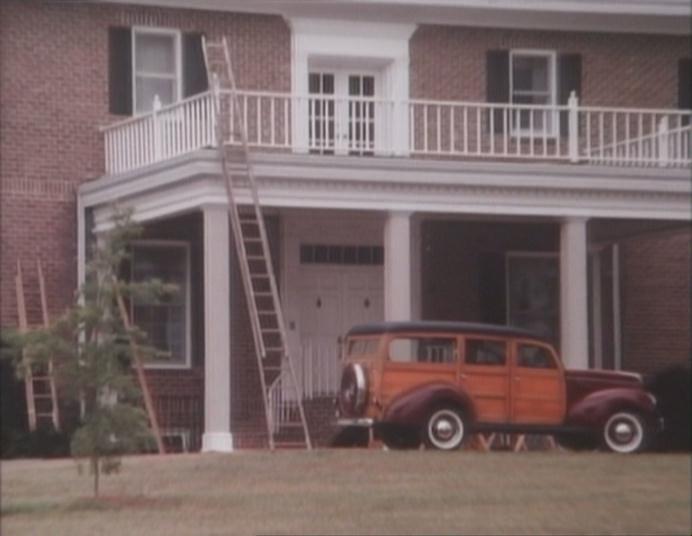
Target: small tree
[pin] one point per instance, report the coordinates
(93, 352)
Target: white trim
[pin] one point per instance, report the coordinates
(551, 55)
(617, 309)
(154, 243)
(596, 308)
(177, 52)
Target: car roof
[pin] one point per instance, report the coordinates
(436, 326)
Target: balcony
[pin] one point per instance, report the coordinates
(449, 130)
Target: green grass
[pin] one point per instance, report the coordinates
(355, 492)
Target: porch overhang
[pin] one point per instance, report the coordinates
(192, 181)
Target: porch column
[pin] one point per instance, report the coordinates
(398, 304)
(574, 327)
(217, 342)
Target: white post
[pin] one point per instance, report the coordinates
(574, 328)
(158, 149)
(217, 320)
(397, 267)
(573, 127)
(596, 312)
(663, 153)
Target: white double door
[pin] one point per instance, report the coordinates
(343, 113)
(330, 301)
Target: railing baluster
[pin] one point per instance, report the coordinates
(259, 120)
(505, 131)
(465, 131)
(601, 128)
(491, 115)
(478, 130)
(425, 128)
(544, 132)
(411, 128)
(439, 128)
(452, 134)
(287, 128)
(272, 126)
(531, 132)
(627, 136)
(588, 134)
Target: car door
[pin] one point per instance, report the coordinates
(484, 375)
(538, 384)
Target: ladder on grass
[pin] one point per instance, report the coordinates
(286, 426)
(39, 380)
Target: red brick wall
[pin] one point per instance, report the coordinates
(617, 69)
(656, 294)
(54, 90)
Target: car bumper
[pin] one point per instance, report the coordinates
(362, 422)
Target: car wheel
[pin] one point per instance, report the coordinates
(445, 429)
(625, 432)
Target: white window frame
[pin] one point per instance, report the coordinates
(341, 142)
(177, 40)
(551, 56)
(187, 307)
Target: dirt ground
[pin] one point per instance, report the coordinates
(354, 492)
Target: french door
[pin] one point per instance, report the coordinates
(342, 112)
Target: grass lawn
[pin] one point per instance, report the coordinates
(354, 492)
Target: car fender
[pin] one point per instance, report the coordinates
(412, 407)
(593, 410)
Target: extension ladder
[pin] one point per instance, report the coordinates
(39, 380)
(277, 375)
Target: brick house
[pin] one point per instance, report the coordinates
(435, 160)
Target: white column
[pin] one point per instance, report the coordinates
(397, 267)
(217, 342)
(574, 317)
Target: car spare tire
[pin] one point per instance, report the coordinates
(353, 391)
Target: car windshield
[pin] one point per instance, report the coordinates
(361, 347)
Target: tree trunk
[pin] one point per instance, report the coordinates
(95, 469)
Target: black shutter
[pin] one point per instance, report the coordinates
(120, 71)
(194, 70)
(569, 79)
(497, 82)
(685, 83)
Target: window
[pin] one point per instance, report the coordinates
(361, 347)
(342, 115)
(422, 350)
(484, 352)
(536, 357)
(532, 82)
(337, 254)
(165, 321)
(156, 61)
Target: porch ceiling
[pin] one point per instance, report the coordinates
(192, 181)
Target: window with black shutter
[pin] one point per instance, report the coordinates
(150, 63)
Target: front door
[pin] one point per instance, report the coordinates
(342, 112)
(485, 376)
(538, 385)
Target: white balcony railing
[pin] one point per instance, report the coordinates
(418, 128)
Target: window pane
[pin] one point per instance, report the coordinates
(164, 320)
(155, 53)
(147, 88)
(535, 357)
(530, 73)
(480, 352)
(422, 350)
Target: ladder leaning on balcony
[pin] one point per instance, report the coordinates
(284, 428)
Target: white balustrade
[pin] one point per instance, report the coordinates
(441, 129)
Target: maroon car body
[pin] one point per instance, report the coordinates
(438, 382)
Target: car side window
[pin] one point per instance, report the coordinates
(486, 352)
(422, 350)
(536, 357)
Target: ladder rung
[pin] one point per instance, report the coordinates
(270, 330)
(259, 276)
(266, 312)
(272, 368)
(42, 395)
(44, 415)
(263, 294)
(255, 257)
(274, 349)
(252, 240)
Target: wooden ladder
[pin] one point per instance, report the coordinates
(276, 372)
(39, 380)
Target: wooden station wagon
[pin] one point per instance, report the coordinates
(438, 382)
